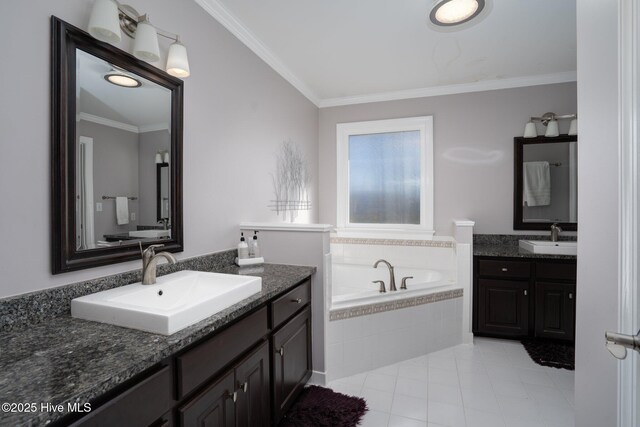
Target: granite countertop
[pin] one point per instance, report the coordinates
(65, 360)
(511, 251)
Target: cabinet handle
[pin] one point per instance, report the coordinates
(505, 269)
(244, 387)
(297, 300)
(233, 396)
(525, 293)
(570, 295)
(281, 351)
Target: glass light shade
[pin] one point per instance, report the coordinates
(177, 61)
(573, 127)
(165, 157)
(530, 130)
(145, 46)
(552, 129)
(158, 158)
(452, 12)
(122, 80)
(104, 23)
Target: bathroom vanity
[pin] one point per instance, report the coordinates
(518, 294)
(241, 367)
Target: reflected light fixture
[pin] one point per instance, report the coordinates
(447, 13)
(550, 120)
(108, 18)
(121, 79)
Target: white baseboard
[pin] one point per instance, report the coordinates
(467, 338)
(318, 378)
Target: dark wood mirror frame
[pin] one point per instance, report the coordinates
(159, 167)
(519, 143)
(65, 39)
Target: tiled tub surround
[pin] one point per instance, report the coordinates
(368, 329)
(506, 245)
(64, 360)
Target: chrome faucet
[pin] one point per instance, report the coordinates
(392, 279)
(165, 223)
(555, 230)
(150, 261)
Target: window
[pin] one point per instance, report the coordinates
(385, 174)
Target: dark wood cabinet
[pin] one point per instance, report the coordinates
(503, 307)
(245, 375)
(517, 298)
(291, 347)
(555, 310)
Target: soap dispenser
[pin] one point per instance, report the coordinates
(254, 249)
(243, 248)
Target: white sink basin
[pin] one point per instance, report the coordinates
(550, 248)
(150, 234)
(176, 301)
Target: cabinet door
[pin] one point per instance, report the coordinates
(555, 310)
(253, 390)
(503, 307)
(291, 347)
(213, 407)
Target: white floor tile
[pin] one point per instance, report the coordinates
(510, 389)
(409, 407)
(477, 418)
(413, 388)
(375, 419)
(445, 394)
(443, 376)
(414, 372)
(480, 398)
(377, 400)
(446, 415)
(380, 382)
(532, 376)
(398, 421)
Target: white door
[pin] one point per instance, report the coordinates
(624, 344)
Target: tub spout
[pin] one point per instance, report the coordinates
(392, 279)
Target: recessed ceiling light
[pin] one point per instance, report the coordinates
(123, 80)
(447, 13)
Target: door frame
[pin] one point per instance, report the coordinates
(628, 201)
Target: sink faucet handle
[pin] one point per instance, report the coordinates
(403, 284)
(382, 288)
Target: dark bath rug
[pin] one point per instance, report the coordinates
(319, 406)
(552, 354)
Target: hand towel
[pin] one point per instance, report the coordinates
(536, 184)
(122, 210)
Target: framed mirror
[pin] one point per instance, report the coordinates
(116, 153)
(546, 183)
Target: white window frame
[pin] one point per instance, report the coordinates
(345, 130)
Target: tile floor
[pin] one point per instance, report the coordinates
(492, 383)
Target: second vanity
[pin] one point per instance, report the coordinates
(241, 367)
(518, 294)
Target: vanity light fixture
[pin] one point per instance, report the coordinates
(550, 120)
(447, 13)
(108, 18)
(158, 158)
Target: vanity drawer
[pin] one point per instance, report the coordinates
(511, 269)
(557, 271)
(199, 364)
(289, 304)
(141, 405)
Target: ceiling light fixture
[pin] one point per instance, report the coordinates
(447, 13)
(121, 79)
(108, 17)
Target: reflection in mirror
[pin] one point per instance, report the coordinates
(123, 122)
(549, 182)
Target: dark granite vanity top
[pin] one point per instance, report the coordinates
(499, 245)
(64, 360)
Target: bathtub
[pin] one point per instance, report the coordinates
(352, 284)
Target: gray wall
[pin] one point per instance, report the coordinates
(115, 173)
(597, 293)
(150, 144)
(467, 129)
(237, 112)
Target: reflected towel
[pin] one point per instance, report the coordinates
(122, 210)
(536, 184)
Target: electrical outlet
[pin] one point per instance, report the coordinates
(133, 216)
(98, 207)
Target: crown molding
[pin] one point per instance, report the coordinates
(154, 127)
(480, 86)
(107, 122)
(238, 29)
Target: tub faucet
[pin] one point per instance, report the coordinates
(555, 230)
(392, 280)
(150, 261)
